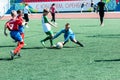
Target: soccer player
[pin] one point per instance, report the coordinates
(53, 11)
(26, 12)
(21, 27)
(82, 6)
(13, 26)
(101, 6)
(68, 34)
(92, 5)
(46, 24)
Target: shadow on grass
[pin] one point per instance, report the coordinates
(9, 59)
(106, 36)
(33, 48)
(7, 46)
(70, 46)
(48, 47)
(63, 47)
(5, 59)
(112, 60)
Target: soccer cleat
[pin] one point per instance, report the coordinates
(26, 26)
(82, 45)
(53, 46)
(12, 54)
(43, 43)
(102, 24)
(18, 55)
(25, 44)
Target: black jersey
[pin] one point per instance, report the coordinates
(101, 6)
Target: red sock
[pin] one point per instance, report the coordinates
(18, 48)
(22, 34)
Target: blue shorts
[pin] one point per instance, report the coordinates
(16, 35)
(21, 29)
(71, 37)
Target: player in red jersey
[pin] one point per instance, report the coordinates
(13, 26)
(21, 27)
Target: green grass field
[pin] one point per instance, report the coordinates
(98, 60)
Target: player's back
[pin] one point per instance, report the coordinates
(13, 24)
(68, 32)
(101, 6)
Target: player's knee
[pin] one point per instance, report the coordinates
(74, 40)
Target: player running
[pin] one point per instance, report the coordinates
(101, 6)
(47, 28)
(68, 34)
(53, 10)
(21, 27)
(13, 26)
(26, 14)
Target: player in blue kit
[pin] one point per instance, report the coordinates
(68, 34)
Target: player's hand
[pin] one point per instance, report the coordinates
(23, 23)
(5, 34)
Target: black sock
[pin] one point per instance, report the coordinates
(79, 44)
(47, 38)
(51, 42)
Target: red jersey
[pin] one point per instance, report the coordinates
(13, 25)
(53, 9)
(20, 18)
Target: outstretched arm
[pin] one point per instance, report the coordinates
(58, 34)
(5, 28)
(52, 24)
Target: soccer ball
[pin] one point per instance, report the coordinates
(59, 45)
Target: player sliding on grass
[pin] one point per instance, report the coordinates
(12, 25)
(68, 34)
(47, 28)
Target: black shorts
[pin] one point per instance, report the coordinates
(26, 17)
(101, 14)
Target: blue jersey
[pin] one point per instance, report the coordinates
(68, 34)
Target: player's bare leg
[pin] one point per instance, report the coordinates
(77, 42)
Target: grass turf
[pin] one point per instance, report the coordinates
(98, 60)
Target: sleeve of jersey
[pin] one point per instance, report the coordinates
(7, 25)
(58, 34)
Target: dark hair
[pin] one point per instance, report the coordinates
(53, 4)
(67, 24)
(19, 11)
(46, 10)
(26, 4)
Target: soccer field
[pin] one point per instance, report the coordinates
(98, 60)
